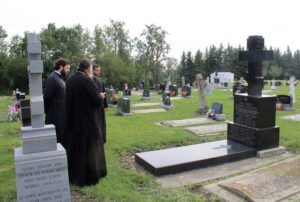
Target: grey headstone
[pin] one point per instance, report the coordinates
(41, 163)
(42, 176)
(217, 107)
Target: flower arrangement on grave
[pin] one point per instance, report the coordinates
(279, 106)
(183, 93)
(210, 113)
(114, 97)
(173, 93)
(160, 91)
(14, 112)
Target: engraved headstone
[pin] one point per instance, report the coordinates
(146, 95)
(124, 107)
(187, 92)
(173, 90)
(254, 113)
(203, 109)
(126, 93)
(286, 102)
(41, 163)
(167, 102)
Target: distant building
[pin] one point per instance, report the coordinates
(223, 76)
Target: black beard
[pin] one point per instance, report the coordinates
(63, 74)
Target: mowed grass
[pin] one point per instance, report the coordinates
(127, 135)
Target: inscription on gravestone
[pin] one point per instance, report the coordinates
(254, 113)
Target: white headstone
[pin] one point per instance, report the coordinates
(183, 81)
(292, 88)
(169, 82)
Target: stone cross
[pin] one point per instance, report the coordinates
(201, 83)
(35, 70)
(183, 81)
(255, 55)
(273, 87)
(292, 88)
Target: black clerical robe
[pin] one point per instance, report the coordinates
(101, 111)
(83, 138)
(54, 103)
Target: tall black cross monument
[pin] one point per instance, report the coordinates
(254, 113)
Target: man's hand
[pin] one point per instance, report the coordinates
(106, 109)
(102, 95)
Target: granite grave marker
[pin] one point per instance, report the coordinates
(40, 164)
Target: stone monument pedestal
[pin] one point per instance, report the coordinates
(201, 111)
(42, 176)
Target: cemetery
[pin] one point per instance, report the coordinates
(161, 146)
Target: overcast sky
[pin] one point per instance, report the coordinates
(191, 24)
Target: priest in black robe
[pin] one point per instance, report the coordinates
(104, 106)
(83, 138)
(54, 97)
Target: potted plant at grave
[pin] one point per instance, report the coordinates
(184, 93)
(114, 99)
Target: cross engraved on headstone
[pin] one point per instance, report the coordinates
(255, 55)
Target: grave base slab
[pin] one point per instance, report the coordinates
(178, 159)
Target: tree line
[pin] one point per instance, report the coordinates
(220, 59)
(125, 59)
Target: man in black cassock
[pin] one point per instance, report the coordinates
(83, 138)
(54, 97)
(101, 89)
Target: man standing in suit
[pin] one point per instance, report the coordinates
(101, 89)
(54, 97)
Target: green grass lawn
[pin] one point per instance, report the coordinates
(126, 136)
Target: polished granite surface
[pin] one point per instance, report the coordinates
(178, 159)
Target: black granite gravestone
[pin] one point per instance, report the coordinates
(126, 93)
(278, 83)
(186, 91)
(162, 87)
(157, 87)
(253, 128)
(124, 107)
(266, 83)
(239, 88)
(111, 97)
(18, 95)
(146, 95)
(254, 113)
(286, 101)
(173, 90)
(164, 95)
(22, 96)
(25, 112)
